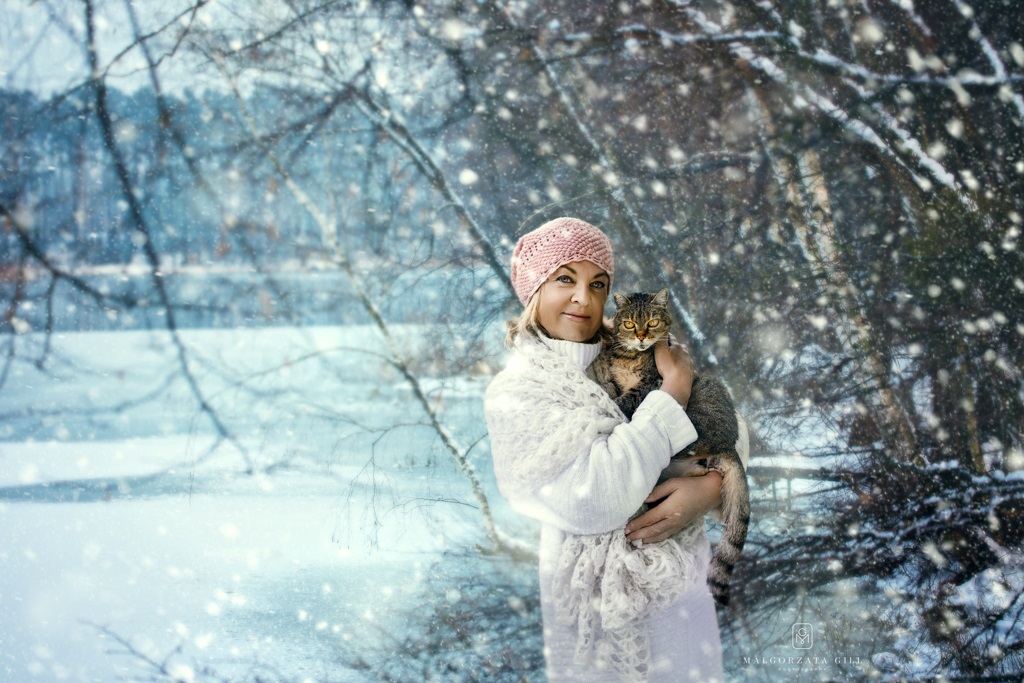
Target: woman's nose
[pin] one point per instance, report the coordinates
(581, 295)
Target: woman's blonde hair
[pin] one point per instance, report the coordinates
(528, 321)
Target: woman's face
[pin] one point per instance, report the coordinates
(571, 303)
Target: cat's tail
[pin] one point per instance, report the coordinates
(735, 520)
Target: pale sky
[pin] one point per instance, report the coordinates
(42, 42)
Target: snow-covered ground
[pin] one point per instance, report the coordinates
(124, 538)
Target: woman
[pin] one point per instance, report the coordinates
(621, 600)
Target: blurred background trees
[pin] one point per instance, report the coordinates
(832, 191)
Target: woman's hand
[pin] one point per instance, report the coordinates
(676, 369)
(685, 499)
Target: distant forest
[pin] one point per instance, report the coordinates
(206, 189)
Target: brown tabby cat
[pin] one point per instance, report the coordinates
(627, 371)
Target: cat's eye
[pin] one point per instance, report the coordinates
(628, 325)
(654, 322)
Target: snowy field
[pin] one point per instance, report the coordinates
(129, 549)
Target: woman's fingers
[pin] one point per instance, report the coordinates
(655, 533)
(662, 490)
(654, 528)
(672, 359)
(662, 520)
(683, 500)
(676, 369)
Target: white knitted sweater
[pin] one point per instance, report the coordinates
(566, 455)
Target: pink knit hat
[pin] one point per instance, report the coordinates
(552, 245)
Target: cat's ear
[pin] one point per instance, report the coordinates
(661, 298)
(620, 299)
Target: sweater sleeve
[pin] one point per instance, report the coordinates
(601, 491)
(609, 468)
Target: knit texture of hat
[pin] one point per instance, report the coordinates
(552, 245)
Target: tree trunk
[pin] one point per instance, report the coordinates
(809, 209)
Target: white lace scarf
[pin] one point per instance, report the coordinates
(544, 412)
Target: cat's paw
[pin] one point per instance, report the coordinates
(686, 467)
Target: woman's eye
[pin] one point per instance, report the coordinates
(564, 278)
(598, 284)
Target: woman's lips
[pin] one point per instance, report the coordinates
(576, 317)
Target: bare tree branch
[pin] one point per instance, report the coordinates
(141, 224)
(329, 234)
